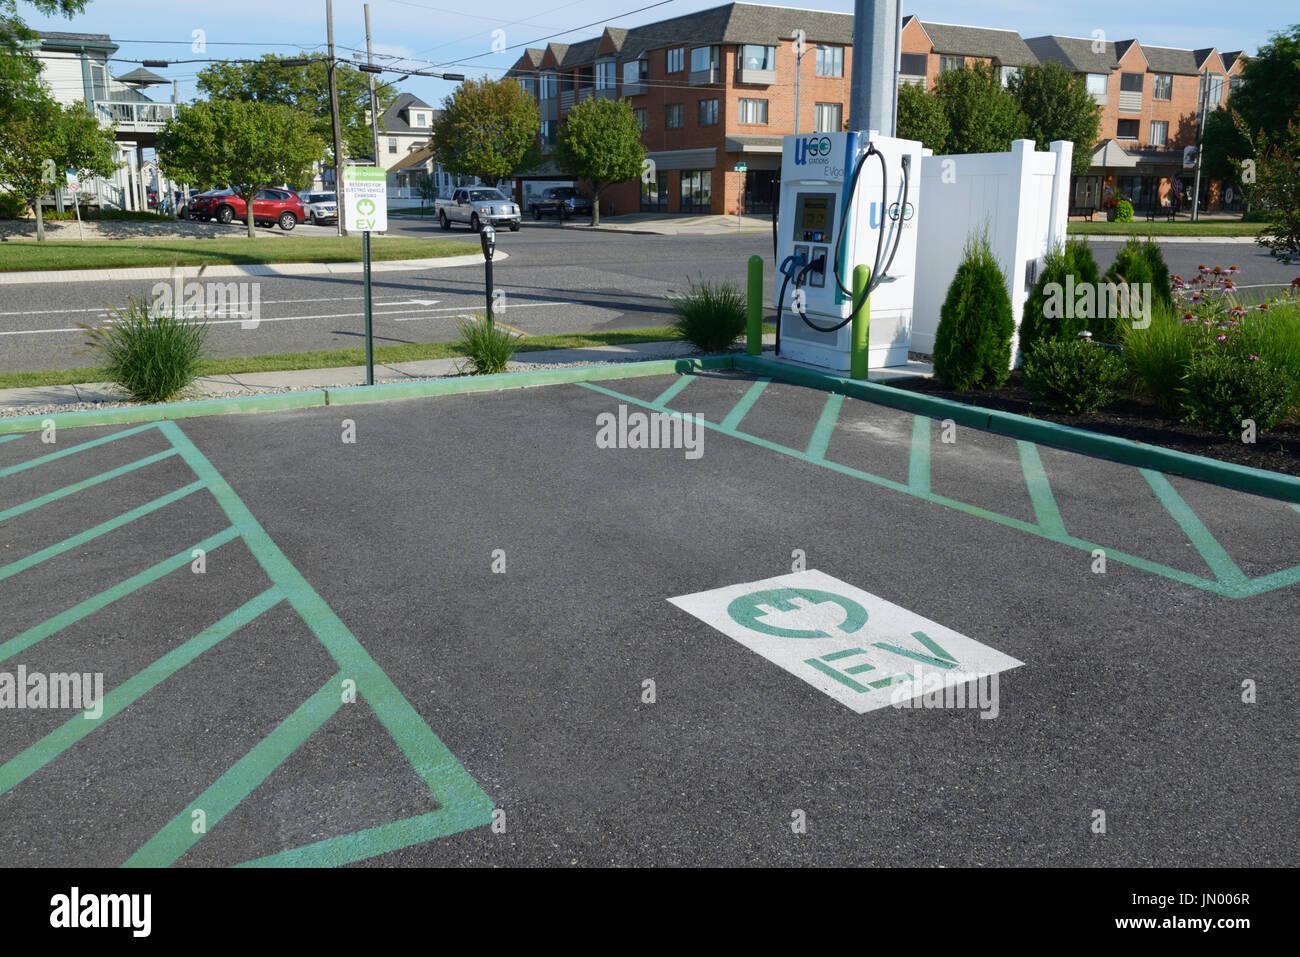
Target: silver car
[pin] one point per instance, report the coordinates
(321, 207)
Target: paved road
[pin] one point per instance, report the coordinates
(557, 279)
(523, 689)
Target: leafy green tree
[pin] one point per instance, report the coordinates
(1057, 106)
(600, 143)
(921, 117)
(246, 145)
(1277, 191)
(972, 346)
(307, 90)
(1224, 145)
(488, 128)
(1048, 314)
(983, 117)
(46, 139)
(1269, 95)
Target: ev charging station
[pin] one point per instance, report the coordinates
(847, 199)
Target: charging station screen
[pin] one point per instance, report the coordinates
(814, 217)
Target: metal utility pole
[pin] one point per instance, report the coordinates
(1200, 129)
(799, 45)
(374, 103)
(873, 93)
(334, 117)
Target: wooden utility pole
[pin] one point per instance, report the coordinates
(334, 118)
(374, 103)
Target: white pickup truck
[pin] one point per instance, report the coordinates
(476, 205)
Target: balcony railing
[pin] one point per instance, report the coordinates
(134, 113)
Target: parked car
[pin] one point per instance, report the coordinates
(561, 201)
(271, 207)
(476, 205)
(203, 205)
(321, 207)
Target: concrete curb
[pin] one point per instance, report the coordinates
(1239, 477)
(283, 270)
(1209, 240)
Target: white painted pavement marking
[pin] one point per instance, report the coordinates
(856, 647)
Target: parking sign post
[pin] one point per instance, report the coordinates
(365, 208)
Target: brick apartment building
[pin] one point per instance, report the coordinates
(716, 89)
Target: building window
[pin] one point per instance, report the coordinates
(1162, 86)
(548, 86)
(708, 112)
(1233, 84)
(697, 191)
(654, 196)
(636, 71)
(419, 119)
(605, 75)
(676, 60)
(703, 58)
(753, 111)
(673, 116)
(830, 61)
(1008, 72)
(911, 69)
(548, 133)
(756, 57)
(947, 63)
(1215, 86)
(1097, 84)
(392, 144)
(1131, 82)
(1127, 130)
(640, 115)
(829, 118)
(1159, 132)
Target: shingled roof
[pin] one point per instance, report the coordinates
(1005, 46)
(1173, 60)
(1074, 53)
(392, 121)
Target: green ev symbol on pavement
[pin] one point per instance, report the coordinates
(797, 613)
(365, 206)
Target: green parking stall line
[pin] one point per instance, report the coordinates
(918, 459)
(82, 447)
(1046, 512)
(1220, 562)
(93, 604)
(1228, 590)
(746, 403)
(821, 437)
(22, 564)
(7, 438)
(225, 794)
(18, 769)
(75, 487)
(432, 761)
(661, 401)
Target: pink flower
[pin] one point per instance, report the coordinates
(1252, 357)
(1262, 307)
(1221, 338)
(1234, 270)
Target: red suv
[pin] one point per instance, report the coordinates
(271, 207)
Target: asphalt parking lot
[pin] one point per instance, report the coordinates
(498, 588)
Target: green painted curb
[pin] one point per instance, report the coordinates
(365, 393)
(1240, 477)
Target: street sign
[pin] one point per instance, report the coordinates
(71, 177)
(741, 168)
(859, 649)
(1189, 157)
(365, 198)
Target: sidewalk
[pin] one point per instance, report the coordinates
(655, 224)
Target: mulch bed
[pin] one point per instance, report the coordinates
(1137, 419)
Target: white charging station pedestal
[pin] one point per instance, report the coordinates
(816, 172)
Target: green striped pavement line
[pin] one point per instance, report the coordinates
(746, 403)
(84, 484)
(41, 753)
(93, 604)
(918, 457)
(1220, 562)
(821, 437)
(1046, 512)
(225, 794)
(6, 438)
(81, 447)
(671, 392)
(22, 564)
(1242, 589)
(449, 783)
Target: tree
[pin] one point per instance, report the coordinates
(37, 145)
(486, 129)
(306, 89)
(600, 142)
(1269, 95)
(1057, 106)
(1224, 144)
(921, 117)
(972, 346)
(246, 145)
(1277, 191)
(982, 116)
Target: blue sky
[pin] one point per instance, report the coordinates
(434, 31)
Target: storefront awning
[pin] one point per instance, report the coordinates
(1110, 155)
(754, 143)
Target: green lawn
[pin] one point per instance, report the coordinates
(334, 358)
(119, 253)
(1141, 227)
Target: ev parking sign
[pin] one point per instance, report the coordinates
(365, 199)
